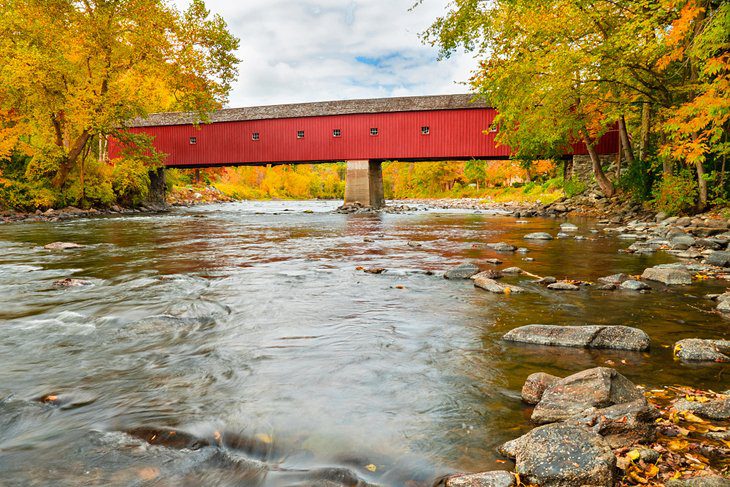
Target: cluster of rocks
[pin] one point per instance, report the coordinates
(356, 208)
(585, 420)
(71, 212)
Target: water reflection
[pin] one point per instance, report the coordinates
(250, 319)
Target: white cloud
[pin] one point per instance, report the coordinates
(315, 50)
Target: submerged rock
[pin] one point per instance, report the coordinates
(563, 286)
(701, 350)
(169, 437)
(63, 246)
(670, 277)
(563, 455)
(499, 478)
(599, 387)
(634, 285)
(588, 336)
(700, 481)
(613, 279)
(494, 287)
(502, 247)
(538, 236)
(462, 271)
(536, 385)
(718, 408)
(69, 282)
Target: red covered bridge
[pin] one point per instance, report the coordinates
(362, 132)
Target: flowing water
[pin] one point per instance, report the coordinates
(248, 325)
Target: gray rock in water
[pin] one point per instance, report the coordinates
(621, 424)
(494, 287)
(63, 246)
(70, 282)
(613, 279)
(703, 481)
(512, 270)
(718, 408)
(724, 306)
(701, 350)
(499, 478)
(536, 385)
(568, 227)
(563, 235)
(563, 286)
(546, 280)
(590, 336)
(607, 287)
(493, 261)
(670, 277)
(682, 242)
(538, 236)
(720, 259)
(523, 250)
(600, 387)
(563, 455)
(502, 247)
(462, 271)
(633, 285)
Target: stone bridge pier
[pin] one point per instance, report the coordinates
(364, 183)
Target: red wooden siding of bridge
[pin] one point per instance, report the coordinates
(453, 134)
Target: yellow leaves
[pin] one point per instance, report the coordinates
(633, 455)
(689, 416)
(507, 290)
(678, 445)
(371, 467)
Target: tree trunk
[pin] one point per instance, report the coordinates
(625, 141)
(70, 160)
(645, 130)
(618, 160)
(702, 184)
(605, 184)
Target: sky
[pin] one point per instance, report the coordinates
(317, 50)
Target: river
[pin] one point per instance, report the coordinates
(251, 321)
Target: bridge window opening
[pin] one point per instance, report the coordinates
(300, 134)
(374, 131)
(337, 133)
(193, 140)
(425, 130)
(255, 136)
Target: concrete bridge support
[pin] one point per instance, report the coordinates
(364, 183)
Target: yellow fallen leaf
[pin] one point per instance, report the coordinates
(371, 467)
(264, 438)
(651, 471)
(634, 455)
(507, 290)
(689, 416)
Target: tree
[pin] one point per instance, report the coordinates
(79, 70)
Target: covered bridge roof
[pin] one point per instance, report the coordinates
(317, 109)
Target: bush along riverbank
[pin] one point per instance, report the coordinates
(597, 428)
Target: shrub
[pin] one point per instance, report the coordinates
(130, 181)
(573, 187)
(675, 194)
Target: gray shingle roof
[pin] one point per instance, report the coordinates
(317, 109)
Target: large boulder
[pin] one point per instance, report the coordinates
(718, 408)
(499, 478)
(536, 385)
(682, 242)
(621, 424)
(721, 259)
(702, 350)
(599, 387)
(590, 336)
(670, 277)
(563, 455)
(462, 271)
(495, 287)
(538, 236)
